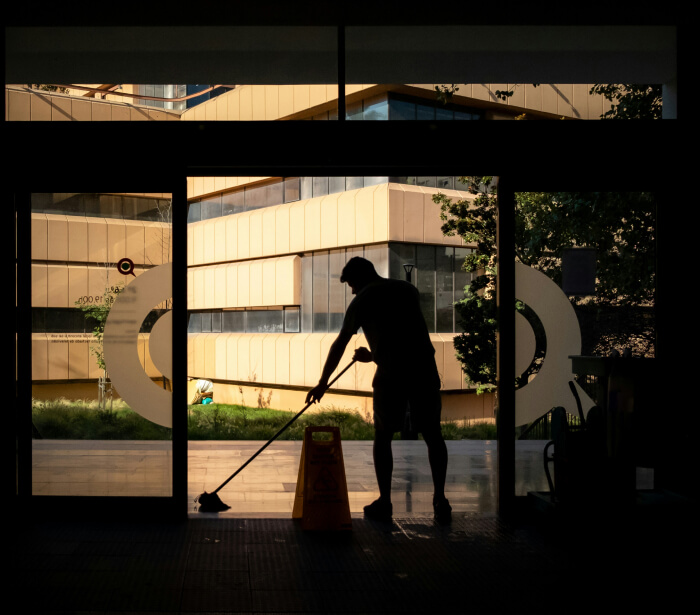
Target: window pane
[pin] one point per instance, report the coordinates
(353, 111)
(373, 181)
(460, 185)
(291, 189)
(376, 108)
(443, 114)
(233, 321)
(425, 281)
(111, 206)
(336, 184)
(291, 320)
(194, 324)
(320, 186)
(379, 257)
(307, 287)
(401, 110)
(275, 194)
(336, 290)
(350, 253)
(206, 322)
(399, 255)
(265, 321)
(255, 198)
(444, 272)
(306, 187)
(320, 292)
(353, 183)
(425, 112)
(462, 278)
(211, 208)
(445, 183)
(194, 212)
(233, 203)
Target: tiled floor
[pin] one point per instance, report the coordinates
(256, 559)
(480, 564)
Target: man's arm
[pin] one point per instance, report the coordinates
(334, 355)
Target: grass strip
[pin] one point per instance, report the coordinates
(83, 420)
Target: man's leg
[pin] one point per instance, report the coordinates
(381, 509)
(383, 463)
(437, 456)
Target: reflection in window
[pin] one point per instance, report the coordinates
(291, 189)
(74, 320)
(437, 274)
(120, 206)
(281, 320)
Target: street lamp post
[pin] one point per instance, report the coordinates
(408, 268)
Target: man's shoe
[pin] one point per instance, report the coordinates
(443, 511)
(379, 511)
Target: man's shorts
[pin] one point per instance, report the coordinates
(392, 402)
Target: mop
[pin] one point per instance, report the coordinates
(211, 502)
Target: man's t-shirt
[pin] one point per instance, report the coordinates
(389, 313)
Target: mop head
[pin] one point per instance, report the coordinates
(211, 502)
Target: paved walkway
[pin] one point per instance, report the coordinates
(267, 485)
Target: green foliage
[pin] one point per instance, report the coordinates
(96, 313)
(620, 226)
(232, 422)
(49, 88)
(630, 102)
(62, 419)
(445, 93)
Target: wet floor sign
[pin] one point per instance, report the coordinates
(321, 500)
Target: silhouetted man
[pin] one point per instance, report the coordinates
(389, 313)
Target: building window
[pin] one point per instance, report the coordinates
(278, 320)
(91, 205)
(74, 320)
(291, 189)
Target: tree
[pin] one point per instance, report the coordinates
(96, 312)
(620, 226)
(630, 102)
(48, 88)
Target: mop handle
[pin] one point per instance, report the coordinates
(280, 432)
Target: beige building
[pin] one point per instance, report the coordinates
(264, 253)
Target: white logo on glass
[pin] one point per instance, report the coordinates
(121, 348)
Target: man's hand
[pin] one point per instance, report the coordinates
(315, 394)
(363, 355)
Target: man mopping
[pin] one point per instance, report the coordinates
(388, 311)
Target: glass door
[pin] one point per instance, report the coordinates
(101, 341)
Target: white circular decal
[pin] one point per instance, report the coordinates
(121, 348)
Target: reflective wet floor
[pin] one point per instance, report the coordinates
(268, 485)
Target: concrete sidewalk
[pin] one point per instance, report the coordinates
(267, 485)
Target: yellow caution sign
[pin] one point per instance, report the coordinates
(321, 500)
